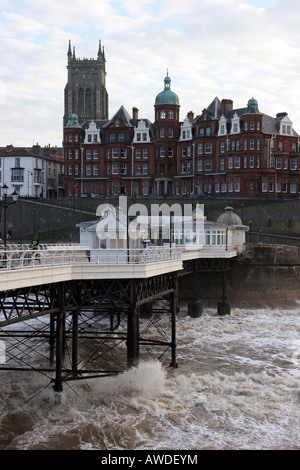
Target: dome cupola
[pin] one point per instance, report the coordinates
(229, 217)
(167, 96)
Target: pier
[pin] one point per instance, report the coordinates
(93, 312)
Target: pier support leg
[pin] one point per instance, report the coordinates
(75, 344)
(133, 329)
(52, 338)
(174, 307)
(195, 308)
(59, 354)
(224, 307)
(60, 317)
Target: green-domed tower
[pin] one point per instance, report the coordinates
(167, 131)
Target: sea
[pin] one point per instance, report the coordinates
(236, 387)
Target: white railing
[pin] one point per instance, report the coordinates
(45, 246)
(153, 254)
(24, 259)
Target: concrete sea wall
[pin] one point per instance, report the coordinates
(264, 273)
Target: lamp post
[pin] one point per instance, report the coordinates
(5, 204)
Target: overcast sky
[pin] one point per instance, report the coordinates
(227, 48)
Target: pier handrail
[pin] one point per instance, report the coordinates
(26, 259)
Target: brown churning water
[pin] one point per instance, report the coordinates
(237, 386)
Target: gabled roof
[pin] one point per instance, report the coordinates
(123, 115)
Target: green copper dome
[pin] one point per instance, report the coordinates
(167, 96)
(73, 121)
(253, 106)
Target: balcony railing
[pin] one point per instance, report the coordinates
(68, 255)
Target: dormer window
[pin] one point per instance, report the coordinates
(141, 132)
(186, 130)
(222, 126)
(92, 134)
(235, 124)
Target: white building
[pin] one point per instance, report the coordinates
(31, 172)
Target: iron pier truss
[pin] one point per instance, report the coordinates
(82, 329)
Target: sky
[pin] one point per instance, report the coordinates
(234, 49)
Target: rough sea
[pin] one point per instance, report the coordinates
(237, 386)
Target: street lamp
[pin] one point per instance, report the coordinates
(5, 204)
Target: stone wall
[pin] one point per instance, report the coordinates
(264, 273)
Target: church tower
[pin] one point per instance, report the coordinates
(85, 91)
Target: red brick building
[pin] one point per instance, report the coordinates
(229, 152)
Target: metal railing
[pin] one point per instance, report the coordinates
(26, 259)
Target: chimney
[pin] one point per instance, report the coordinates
(226, 106)
(190, 116)
(135, 115)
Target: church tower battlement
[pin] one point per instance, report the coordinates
(85, 91)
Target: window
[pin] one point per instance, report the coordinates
(252, 161)
(17, 175)
(208, 148)
(121, 137)
(237, 185)
(171, 114)
(95, 170)
(138, 137)
(251, 144)
(123, 168)
(162, 132)
(237, 162)
(200, 149)
(208, 165)
(115, 153)
(145, 188)
(230, 163)
(115, 169)
(113, 137)
(163, 114)
(145, 169)
(76, 154)
(138, 169)
(245, 162)
(123, 152)
(88, 170)
(222, 147)
(145, 153)
(170, 152)
(222, 164)
(88, 154)
(208, 131)
(252, 125)
(70, 154)
(138, 154)
(170, 133)
(293, 164)
(278, 163)
(95, 154)
(144, 136)
(200, 165)
(162, 151)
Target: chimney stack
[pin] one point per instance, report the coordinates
(135, 115)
